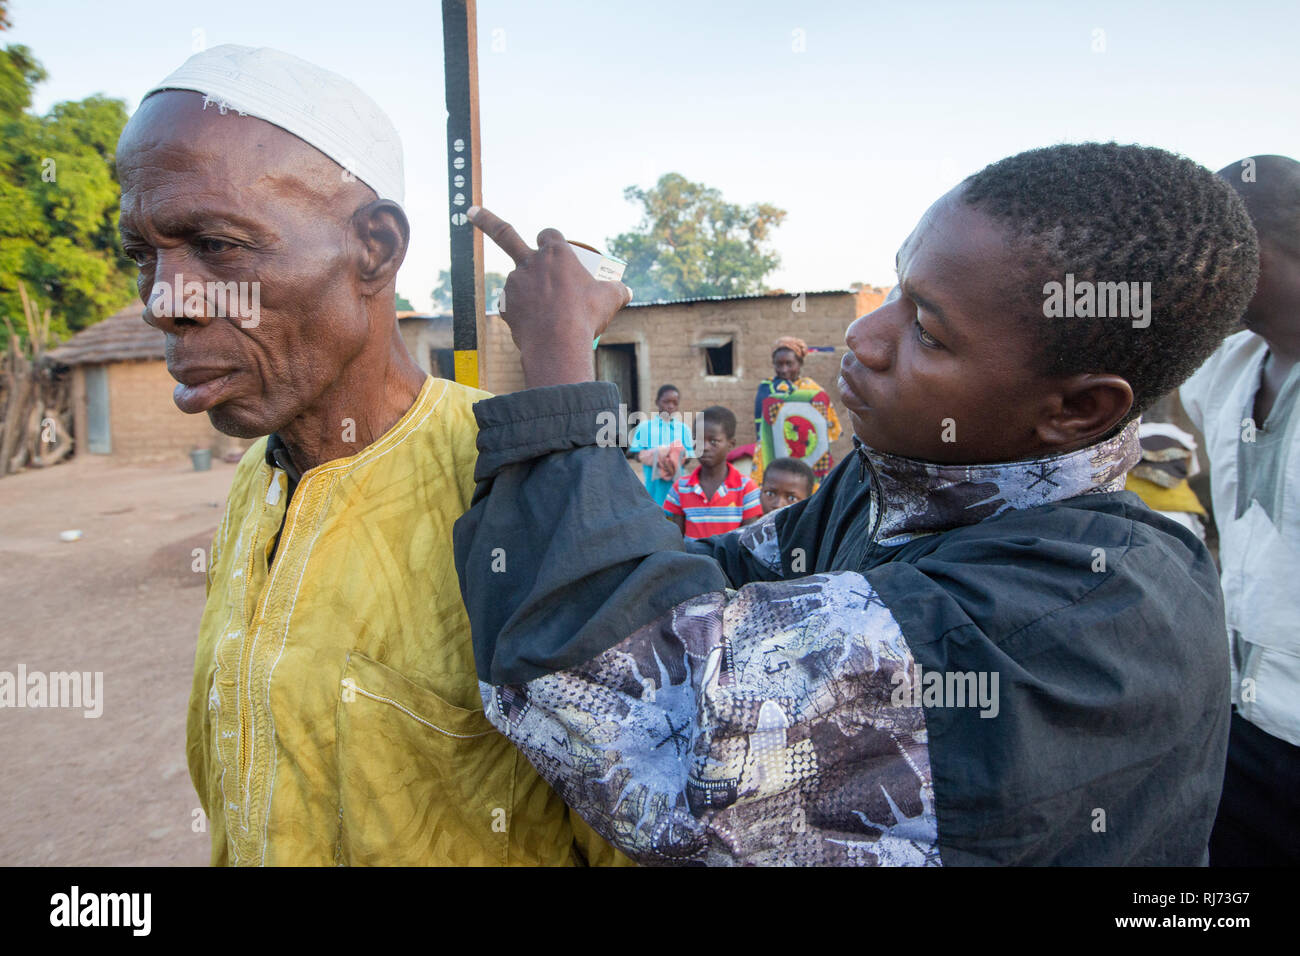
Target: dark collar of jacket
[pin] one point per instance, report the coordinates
(925, 498)
(874, 500)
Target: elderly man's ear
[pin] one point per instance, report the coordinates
(383, 232)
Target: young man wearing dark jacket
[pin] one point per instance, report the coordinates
(970, 646)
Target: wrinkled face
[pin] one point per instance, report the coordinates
(786, 364)
(714, 446)
(667, 402)
(241, 211)
(781, 488)
(943, 371)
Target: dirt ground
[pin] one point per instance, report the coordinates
(112, 790)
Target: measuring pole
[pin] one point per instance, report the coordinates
(464, 182)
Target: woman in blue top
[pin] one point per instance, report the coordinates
(652, 443)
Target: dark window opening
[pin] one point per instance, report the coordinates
(719, 360)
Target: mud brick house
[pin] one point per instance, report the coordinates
(715, 350)
(122, 395)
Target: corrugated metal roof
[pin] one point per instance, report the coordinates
(123, 336)
(736, 298)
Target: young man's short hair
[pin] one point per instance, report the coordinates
(1110, 213)
(792, 466)
(722, 417)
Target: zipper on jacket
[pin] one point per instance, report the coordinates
(865, 467)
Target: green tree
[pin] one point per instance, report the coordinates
(691, 242)
(493, 282)
(403, 304)
(59, 201)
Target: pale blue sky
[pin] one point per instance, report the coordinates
(886, 107)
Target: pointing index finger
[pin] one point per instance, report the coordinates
(500, 232)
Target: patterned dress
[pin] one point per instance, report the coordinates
(806, 434)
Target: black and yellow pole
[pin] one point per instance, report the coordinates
(464, 183)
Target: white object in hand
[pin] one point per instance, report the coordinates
(601, 266)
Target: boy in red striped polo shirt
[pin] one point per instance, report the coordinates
(715, 498)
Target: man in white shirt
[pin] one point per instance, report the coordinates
(1245, 401)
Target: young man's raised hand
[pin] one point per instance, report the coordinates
(556, 307)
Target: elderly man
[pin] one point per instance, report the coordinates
(335, 716)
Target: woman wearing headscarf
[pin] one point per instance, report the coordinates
(793, 415)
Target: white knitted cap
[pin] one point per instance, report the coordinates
(319, 107)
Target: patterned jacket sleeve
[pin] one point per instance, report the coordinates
(687, 723)
(767, 726)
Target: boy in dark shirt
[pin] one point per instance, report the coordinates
(971, 645)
